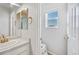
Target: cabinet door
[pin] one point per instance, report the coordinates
(25, 52)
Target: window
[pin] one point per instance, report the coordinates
(52, 19)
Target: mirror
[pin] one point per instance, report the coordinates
(22, 19)
(14, 18)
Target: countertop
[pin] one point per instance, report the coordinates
(12, 44)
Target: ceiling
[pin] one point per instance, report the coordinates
(10, 6)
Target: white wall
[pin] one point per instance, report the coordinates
(54, 38)
(33, 28)
(4, 20)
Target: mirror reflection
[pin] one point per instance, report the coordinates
(22, 19)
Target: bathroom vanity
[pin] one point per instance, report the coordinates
(15, 47)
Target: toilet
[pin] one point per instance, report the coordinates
(43, 49)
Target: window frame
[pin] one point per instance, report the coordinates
(46, 18)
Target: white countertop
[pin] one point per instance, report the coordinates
(12, 44)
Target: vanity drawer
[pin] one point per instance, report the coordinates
(18, 50)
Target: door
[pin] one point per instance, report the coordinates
(72, 29)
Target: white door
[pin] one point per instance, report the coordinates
(72, 29)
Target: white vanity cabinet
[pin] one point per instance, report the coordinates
(17, 48)
(21, 50)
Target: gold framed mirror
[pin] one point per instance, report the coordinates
(22, 19)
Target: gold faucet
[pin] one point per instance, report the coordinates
(3, 39)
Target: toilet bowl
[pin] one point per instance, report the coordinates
(43, 49)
